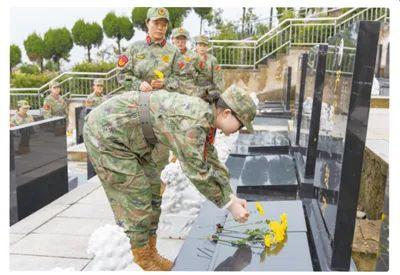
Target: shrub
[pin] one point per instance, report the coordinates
(26, 68)
(100, 67)
(23, 80)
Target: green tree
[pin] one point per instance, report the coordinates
(176, 17)
(138, 17)
(58, 44)
(87, 35)
(35, 49)
(204, 14)
(118, 27)
(15, 56)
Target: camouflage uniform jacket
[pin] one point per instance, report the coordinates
(180, 122)
(54, 107)
(210, 76)
(142, 59)
(17, 120)
(93, 100)
(185, 69)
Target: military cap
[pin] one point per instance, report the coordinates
(201, 39)
(54, 84)
(241, 104)
(157, 13)
(98, 81)
(180, 32)
(23, 103)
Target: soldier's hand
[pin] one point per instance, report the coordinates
(238, 209)
(145, 87)
(157, 84)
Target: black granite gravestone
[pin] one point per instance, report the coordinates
(38, 166)
(307, 116)
(341, 138)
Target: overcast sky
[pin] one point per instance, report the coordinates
(24, 21)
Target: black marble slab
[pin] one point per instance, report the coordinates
(38, 170)
(80, 114)
(267, 176)
(292, 255)
(343, 128)
(197, 251)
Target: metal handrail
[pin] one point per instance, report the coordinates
(286, 33)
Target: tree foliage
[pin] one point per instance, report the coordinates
(58, 44)
(204, 14)
(118, 27)
(15, 56)
(35, 49)
(87, 35)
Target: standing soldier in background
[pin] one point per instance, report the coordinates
(22, 116)
(96, 97)
(120, 136)
(210, 77)
(185, 65)
(54, 104)
(148, 64)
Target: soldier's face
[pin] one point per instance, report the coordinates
(227, 122)
(23, 110)
(179, 42)
(98, 89)
(201, 48)
(157, 28)
(56, 90)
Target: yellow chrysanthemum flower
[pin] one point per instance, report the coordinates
(268, 240)
(259, 208)
(159, 74)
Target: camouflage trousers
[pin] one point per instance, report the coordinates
(134, 195)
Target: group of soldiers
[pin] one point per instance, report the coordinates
(174, 101)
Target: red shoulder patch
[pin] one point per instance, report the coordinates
(202, 64)
(218, 67)
(181, 64)
(122, 60)
(46, 106)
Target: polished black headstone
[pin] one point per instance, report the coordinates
(80, 114)
(342, 134)
(267, 177)
(197, 251)
(292, 255)
(38, 170)
(261, 142)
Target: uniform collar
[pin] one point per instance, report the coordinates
(183, 51)
(150, 41)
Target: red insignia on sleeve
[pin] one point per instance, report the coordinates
(46, 106)
(122, 60)
(218, 67)
(181, 64)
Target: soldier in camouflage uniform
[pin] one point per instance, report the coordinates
(147, 65)
(210, 78)
(187, 60)
(22, 116)
(97, 97)
(130, 172)
(54, 104)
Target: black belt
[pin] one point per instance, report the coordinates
(144, 115)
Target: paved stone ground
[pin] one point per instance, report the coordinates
(57, 235)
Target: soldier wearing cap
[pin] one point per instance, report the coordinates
(21, 116)
(54, 104)
(186, 62)
(210, 77)
(96, 97)
(124, 161)
(147, 65)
